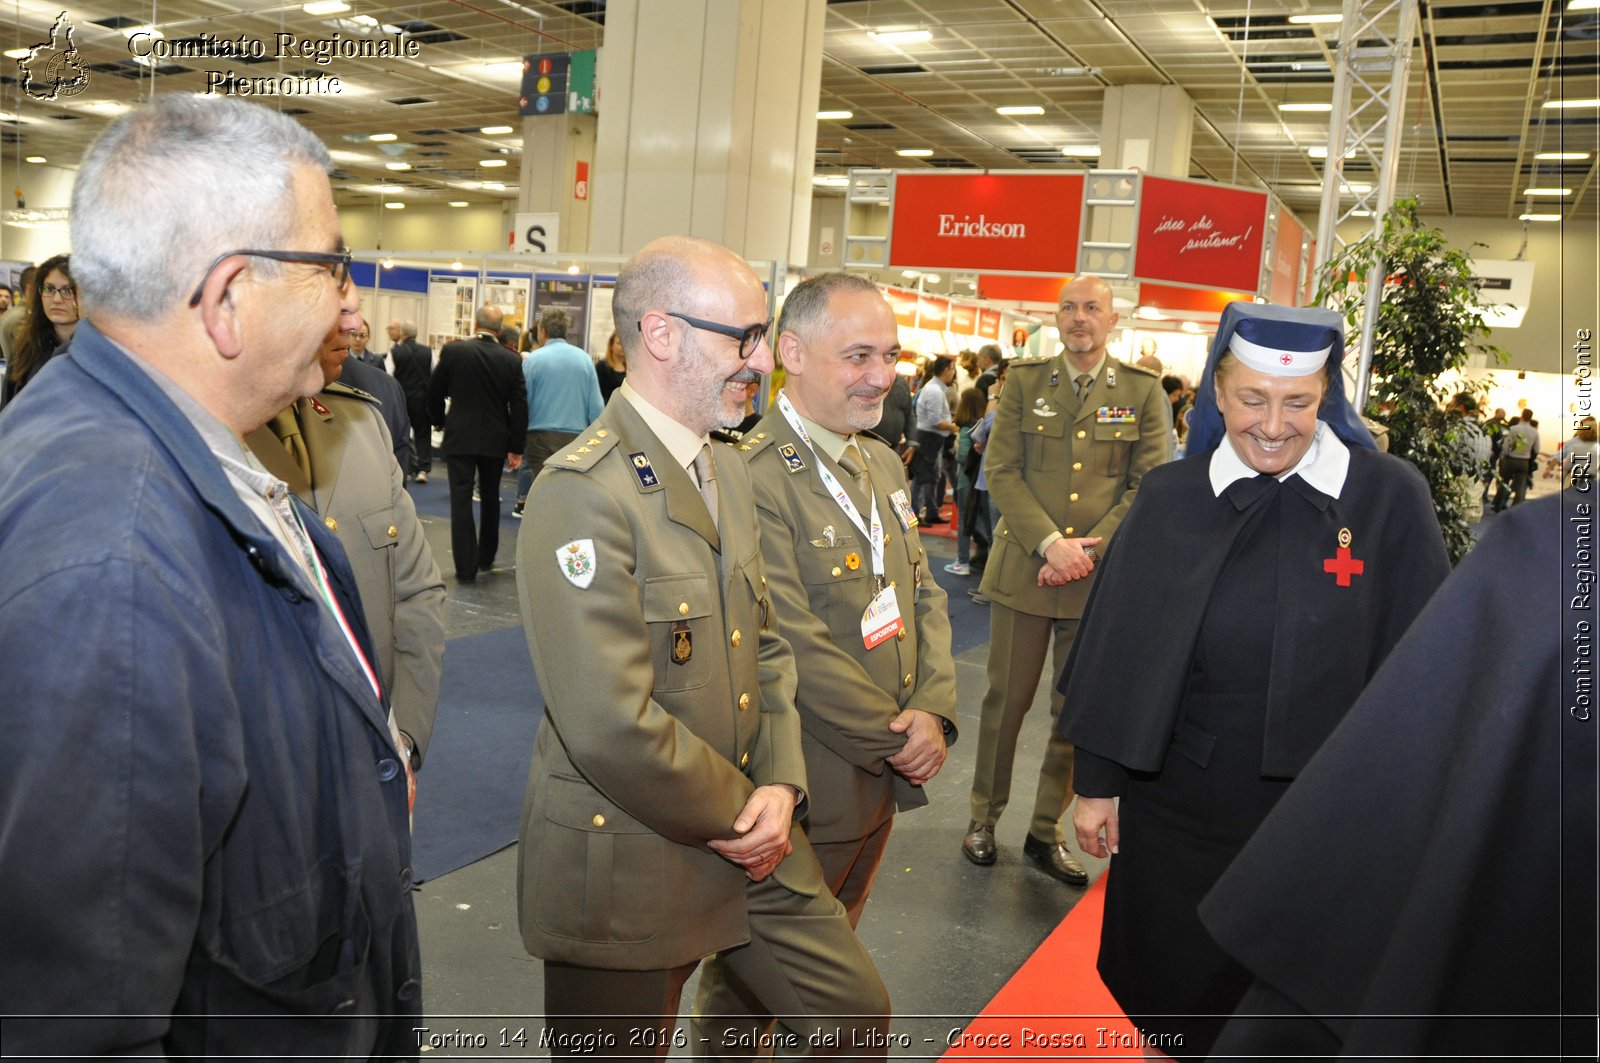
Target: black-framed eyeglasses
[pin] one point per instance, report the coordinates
(70, 291)
(338, 263)
(749, 336)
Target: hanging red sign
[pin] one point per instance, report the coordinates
(904, 305)
(933, 313)
(580, 183)
(1024, 222)
(963, 319)
(988, 324)
(1194, 232)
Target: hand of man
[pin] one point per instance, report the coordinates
(923, 754)
(1090, 817)
(763, 828)
(911, 452)
(514, 461)
(1065, 561)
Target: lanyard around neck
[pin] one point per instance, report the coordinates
(874, 534)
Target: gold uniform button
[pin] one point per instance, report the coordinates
(907, 681)
(332, 524)
(602, 433)
(901, 634)
(394, 533)
(599, 821)
(1069, 531)
(1077, 466)
(744, 760)
(683, 608)
(1072, 497)
(736, 638)
(1040, 428)
(1082, 434)
(837, 571)
(1117, 434)
(744, 702)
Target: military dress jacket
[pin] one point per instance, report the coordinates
(358, 491)
(1055, 464)
(820, 567)
(669, 697)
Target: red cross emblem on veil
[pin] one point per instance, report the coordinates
(1286, 359)
(1342, 566)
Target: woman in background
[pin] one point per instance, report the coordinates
(52, 315)
(972, 512)
(611, 368)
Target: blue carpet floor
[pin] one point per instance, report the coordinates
(469, 792)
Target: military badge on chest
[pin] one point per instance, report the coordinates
(1341, 566)
(682, 643)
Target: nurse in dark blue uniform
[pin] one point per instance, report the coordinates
(1254, 588)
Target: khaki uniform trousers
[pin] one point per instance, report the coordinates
(1017, 645)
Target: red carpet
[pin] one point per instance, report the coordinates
(1055, 1006)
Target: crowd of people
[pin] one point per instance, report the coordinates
(745, 661)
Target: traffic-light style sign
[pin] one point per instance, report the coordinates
(544, 84)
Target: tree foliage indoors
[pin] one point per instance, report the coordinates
(1429, 323)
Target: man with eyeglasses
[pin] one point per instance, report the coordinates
(206, 848)
(668, 778)
(360, 373)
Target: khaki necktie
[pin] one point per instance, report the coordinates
(705, 474)
(850, 461)
(1083, 382)
(286, 426)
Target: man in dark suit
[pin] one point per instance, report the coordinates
(413, 362)
(484, 429)
(668, 770)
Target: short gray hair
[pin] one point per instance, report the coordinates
(806, 308)
(172, 185)
(556, 322)
(489, 317)
(408, 329)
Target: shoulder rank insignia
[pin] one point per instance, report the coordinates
(791, 457)
(318, 406)
(1111, 374)
(642, 469)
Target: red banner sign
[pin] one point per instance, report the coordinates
(1192, 232)
(963, 319)
(988, 324)
(933, 313)
(904, 305)
(1285, 286)
(987, 221)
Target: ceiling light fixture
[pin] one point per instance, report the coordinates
(495, 130)
(326, 7)
(830, 181)
(1314, 20)
(1583, 5)
(1082, 151)
(1357, 188)
(391, 190)
(18, 53)
(387, 263)
(1308, 108)
(397, 166)
(458, 202)
(834, 116)
(1563, 156)
(1567, 105)
(1547, 191)
(915, 153)
(1029, 109)
(1538, 217)
(456, 264)
(491, 162)
(382, 138)
(896, 38)
(1317, 152)
(394, 206)
(36, 159)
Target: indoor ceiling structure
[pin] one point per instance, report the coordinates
(1479, 114)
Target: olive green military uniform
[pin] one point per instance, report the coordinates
(1054, 463)
(669, 699)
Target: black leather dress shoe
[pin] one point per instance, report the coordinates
(978, 846)
(1055, 860)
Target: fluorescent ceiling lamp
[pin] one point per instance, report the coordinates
(495, 130)
(1309, 108)
(109, 106)
(391, 190)
(1082, 151)
(349, 156)
(1565, 105)
(830, 181)
(456, 264)
(7, 116)
(395, 206)
(1583, 5)
(899, 37)
(1027, 110)
(1547, 191)
(573, 269)
(495, 186)
(19, 53)
(1563, 156)
(1361, 213)
(910, 274)
(1317, 152)
(1313, 20)
(915, 153)
(1538, 217)
(1355, 189)
(828, 116)
(458, 202)
(397, 166)
(1190, 326)
(383, 138)
(326, 7)
(491, 162)
(36, 159)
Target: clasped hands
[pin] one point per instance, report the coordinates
(1065, 561)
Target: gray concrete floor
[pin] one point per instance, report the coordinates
(945, 934)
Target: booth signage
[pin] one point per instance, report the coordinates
(987, 221)
(1284, 288)
(904, 305)
(963, 319)
(988, 324)
(1194, 232)
(933, 313)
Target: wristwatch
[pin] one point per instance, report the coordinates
(1089, 552)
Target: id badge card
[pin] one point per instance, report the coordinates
(881, 621)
